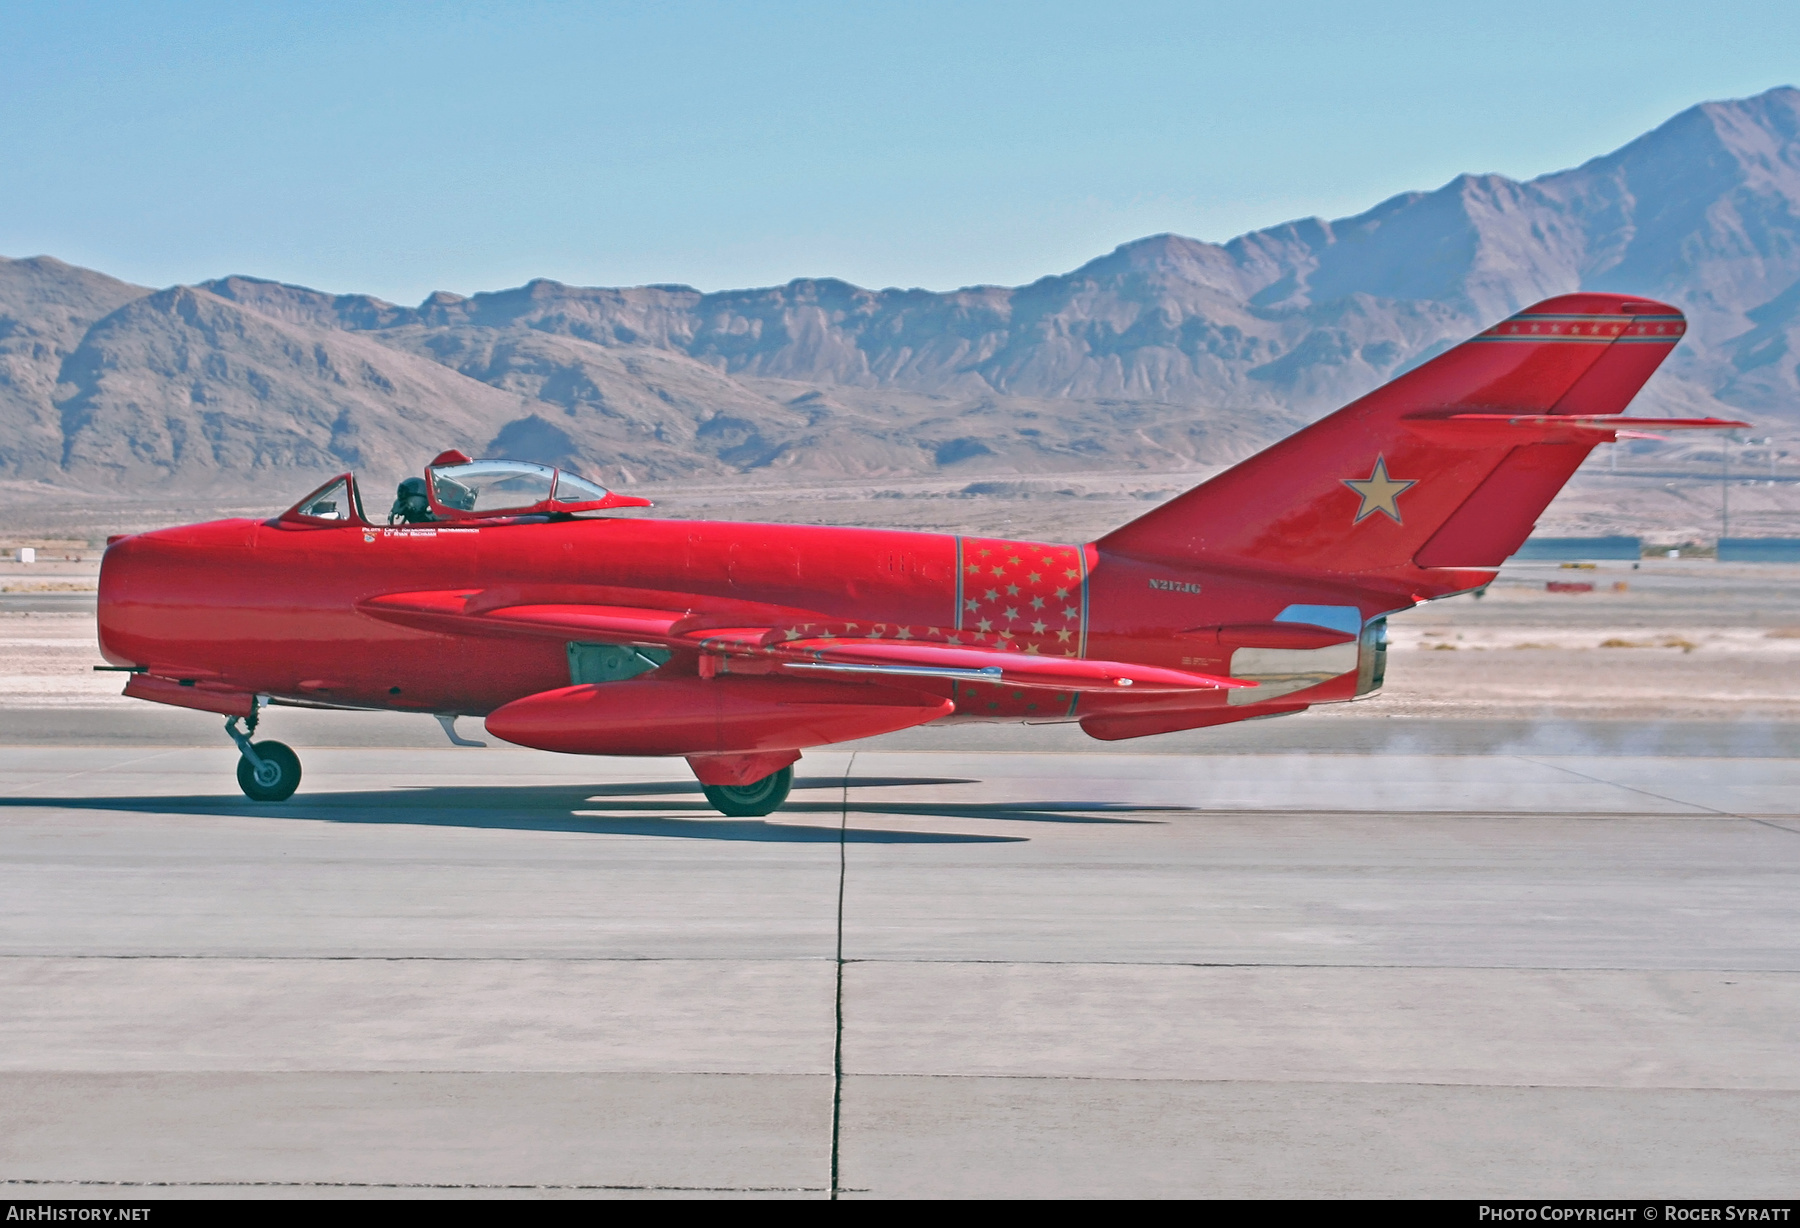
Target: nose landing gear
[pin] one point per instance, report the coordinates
(267, 771)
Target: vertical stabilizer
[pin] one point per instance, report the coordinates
(1389, 484)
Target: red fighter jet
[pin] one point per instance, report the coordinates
(503, 590)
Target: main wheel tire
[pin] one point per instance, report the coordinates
(278, 778)
(752, 800)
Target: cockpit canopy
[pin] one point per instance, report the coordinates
(458, 488)
(511, 488)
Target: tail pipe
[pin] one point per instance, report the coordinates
(1371, 657)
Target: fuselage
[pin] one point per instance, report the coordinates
(270, 607)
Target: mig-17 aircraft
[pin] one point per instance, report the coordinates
(504, 590)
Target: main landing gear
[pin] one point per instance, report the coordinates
(753, 800)
(267, 771)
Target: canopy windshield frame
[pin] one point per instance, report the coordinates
(335, 505)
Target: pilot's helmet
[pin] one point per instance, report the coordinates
(412, 502)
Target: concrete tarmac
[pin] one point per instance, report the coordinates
(1500, 963)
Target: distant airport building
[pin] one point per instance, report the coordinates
(1759, 550)
(1581, 549)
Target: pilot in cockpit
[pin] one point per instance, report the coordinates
(413, 503)
(413, 506)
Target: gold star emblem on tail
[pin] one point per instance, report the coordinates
(1378, 492)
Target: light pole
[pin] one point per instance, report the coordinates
(1724, 493)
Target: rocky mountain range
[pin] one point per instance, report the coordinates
(1167, 353)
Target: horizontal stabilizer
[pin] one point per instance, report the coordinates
(1487, 430)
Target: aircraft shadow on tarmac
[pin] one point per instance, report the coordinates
(536, 807)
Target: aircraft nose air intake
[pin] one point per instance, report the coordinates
(116, 568)
(175, 600)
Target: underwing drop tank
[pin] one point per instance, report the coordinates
(708, 716)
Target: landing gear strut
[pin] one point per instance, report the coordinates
(753, 800)
(267, 771)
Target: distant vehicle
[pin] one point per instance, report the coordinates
(503, 590)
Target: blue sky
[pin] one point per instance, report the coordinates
(401, 148)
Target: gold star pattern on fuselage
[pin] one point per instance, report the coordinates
(1017, 597)
(1009, 607)
(1379, 492)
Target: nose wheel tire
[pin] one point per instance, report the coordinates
(752, 800)
(275, 779)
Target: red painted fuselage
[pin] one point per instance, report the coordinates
(266, 607)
